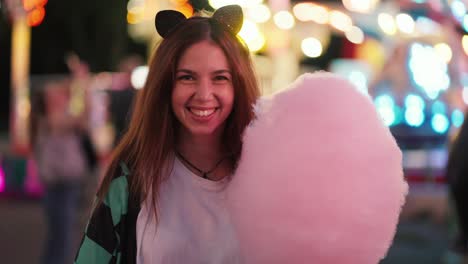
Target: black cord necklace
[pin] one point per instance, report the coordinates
(203, 173)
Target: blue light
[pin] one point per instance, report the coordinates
(440, 123)
(414, 117)
(438, 108)
(458, 8)
(384, 100)
(385, 107)
(457, 118)
(413, 100)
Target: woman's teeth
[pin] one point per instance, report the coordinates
(202, 112)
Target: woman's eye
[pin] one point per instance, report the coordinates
(185, 78)
(221, 78)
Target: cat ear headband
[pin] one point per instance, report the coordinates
(230, 16)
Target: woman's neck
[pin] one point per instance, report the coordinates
(201, 151)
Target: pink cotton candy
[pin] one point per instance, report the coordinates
(320, 179)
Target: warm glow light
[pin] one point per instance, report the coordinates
(444, 51)
(252, 36)
(355, 35)
(36, 16)
(465, 95)
(311, 47)
(186, 9)
(23, 107)
(284, 20)
(465, 44)
(135, 15)
(387, 23)
(405, 23)
(259, 13)
(29, 5)
(340, 20)
(134, 5)
(135, 11)
(361, 6)
(244, 3)
(311, 12)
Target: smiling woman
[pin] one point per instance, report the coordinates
(163, 197)
(203, 95)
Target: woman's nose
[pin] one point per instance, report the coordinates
(204, 90)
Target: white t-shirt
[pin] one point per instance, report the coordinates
(194, 225)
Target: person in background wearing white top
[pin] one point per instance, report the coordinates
(162, 199)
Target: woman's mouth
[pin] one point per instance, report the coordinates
(202, 112)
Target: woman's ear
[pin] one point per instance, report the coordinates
(166, 20)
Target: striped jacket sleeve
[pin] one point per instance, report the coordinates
(101, 241)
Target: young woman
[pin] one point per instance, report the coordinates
(162, 199)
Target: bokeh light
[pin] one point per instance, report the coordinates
(440, 123)
(414, 117)
(36, 16)
(457, 118)
(355, 35)
(259, 13)
(244, 3)
(387, 23)
(423, 62)
(252, 36)
(311, 12)
(361, 6)
(138, 77)
(465, 44)
(414, 101)
(444, 51)
(284, 20)
(405, 23)
(458, 8)
(340, 20)
(312, 47)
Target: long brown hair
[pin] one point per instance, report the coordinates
(148, 145)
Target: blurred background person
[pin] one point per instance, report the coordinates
(61, 166)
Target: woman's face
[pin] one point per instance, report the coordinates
(203, 95)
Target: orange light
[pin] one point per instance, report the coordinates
(186, 9)
(36, 16)
(29, 5)
(179, 2)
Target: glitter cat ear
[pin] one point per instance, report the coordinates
(167, 20)
(231, 16)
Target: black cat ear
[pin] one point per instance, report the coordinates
(231, 16)
(167, 20)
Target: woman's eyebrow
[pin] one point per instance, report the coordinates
(185, 71)
(222, 71)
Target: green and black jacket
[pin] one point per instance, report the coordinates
(110, 235)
